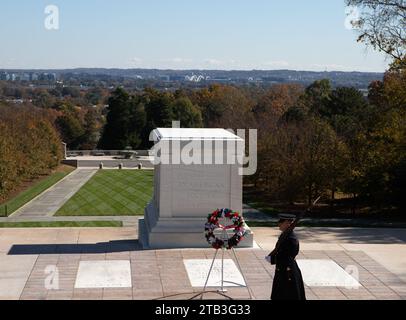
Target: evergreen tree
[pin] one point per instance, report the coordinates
(115, 132)
(188, 114)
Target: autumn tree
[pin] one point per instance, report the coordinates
(224, 107)
(394, 88)
(70, 126)
(91, 128)
(302, 159)
(316, 96)
(29, 146)
(382, 25)
(278, 99)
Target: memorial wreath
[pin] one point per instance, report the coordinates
(238, 225)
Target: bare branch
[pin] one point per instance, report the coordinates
(383, 25)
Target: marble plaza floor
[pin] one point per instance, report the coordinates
(84, 263)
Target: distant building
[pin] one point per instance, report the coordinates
(195, 78)
(273, 79)
(34, 77)
(220, 79)
(15, 101)
(47, 77)
(164, 78)
(4, 76)
(177, 78)
(25, 77)
(365, 92)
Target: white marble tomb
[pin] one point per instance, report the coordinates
(186, 190)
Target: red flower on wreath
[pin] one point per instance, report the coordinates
(213, 224)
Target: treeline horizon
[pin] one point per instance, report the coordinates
(318, 139)
(314, 140)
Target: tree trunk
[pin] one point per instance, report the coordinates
(353, 209)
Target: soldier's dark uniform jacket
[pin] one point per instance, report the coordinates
(288, 281)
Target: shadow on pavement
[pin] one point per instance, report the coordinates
(353, 235)
(102, 247)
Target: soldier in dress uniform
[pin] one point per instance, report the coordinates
(288, 281)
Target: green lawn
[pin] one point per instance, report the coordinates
(112, 192)
(62, 224)
(29, 194)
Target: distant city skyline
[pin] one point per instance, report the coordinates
(183, 35)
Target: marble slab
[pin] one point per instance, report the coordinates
(198, 269)
(104, 274)
(327, 273)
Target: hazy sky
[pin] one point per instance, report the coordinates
(183, 34)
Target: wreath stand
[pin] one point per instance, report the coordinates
(222, 291)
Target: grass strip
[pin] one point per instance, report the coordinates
(63, 224)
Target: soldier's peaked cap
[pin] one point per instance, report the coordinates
(286, 216)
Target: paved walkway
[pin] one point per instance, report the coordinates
(48, 203)
(128, 221)
(26, 215)
(27, 254)
(252, 214)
